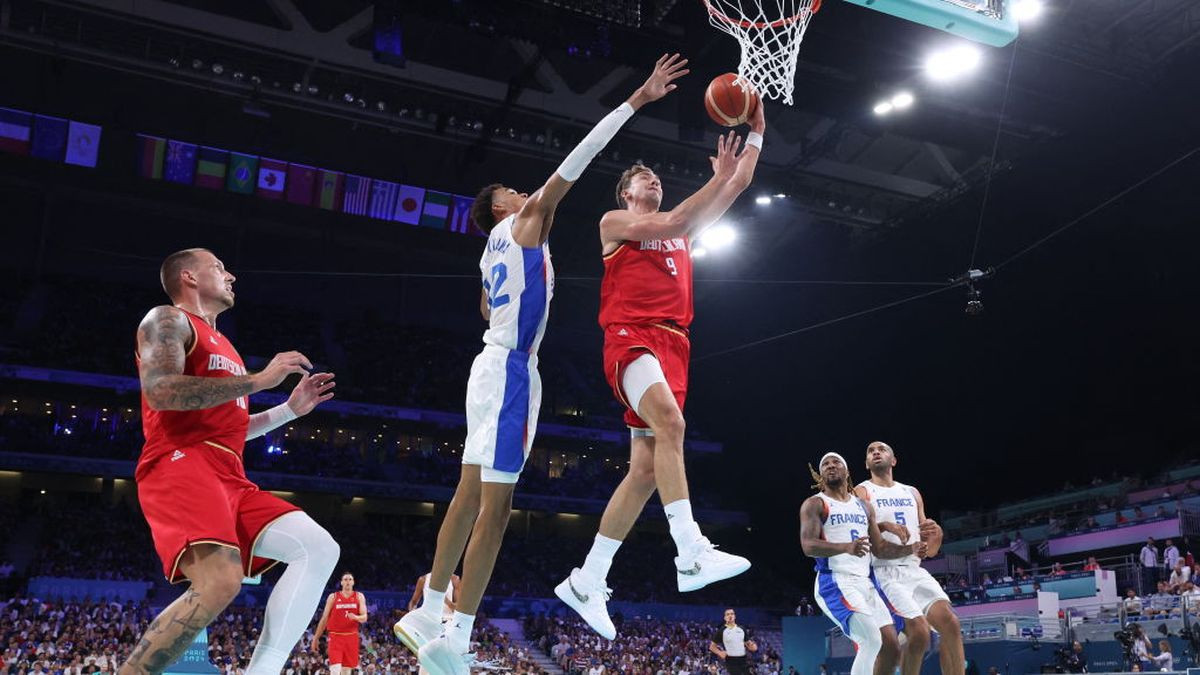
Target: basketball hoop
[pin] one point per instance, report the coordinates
(769, 33)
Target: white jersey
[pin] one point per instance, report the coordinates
(519, 283)
(896, 504)
(843, 522)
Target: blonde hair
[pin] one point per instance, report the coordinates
(819, 481)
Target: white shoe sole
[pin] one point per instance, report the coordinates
(564, 593)
(689, 583)
(411, 641)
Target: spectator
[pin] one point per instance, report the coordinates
(1160, 512)
(1149, 560)
(1091, 565)
(1159, 603)
(1132, 603)
(1137, 513)
(1170, 555)
(1090, 523)
(1057, 570)
(1180, 575)
(1120, 518)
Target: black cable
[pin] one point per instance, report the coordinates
(987, 184)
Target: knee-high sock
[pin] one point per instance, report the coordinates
(866, 636)
(310, 555)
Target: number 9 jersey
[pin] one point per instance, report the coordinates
(519, 283)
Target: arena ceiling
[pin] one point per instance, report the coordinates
(528, 77)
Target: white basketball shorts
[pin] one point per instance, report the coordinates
(504, 394)
(910, 589)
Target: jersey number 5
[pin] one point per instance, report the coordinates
(499, 276)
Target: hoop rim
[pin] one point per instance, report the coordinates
(759, 25)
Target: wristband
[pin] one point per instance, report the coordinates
(754, 139)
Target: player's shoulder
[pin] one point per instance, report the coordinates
(168, 313)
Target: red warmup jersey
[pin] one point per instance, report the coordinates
(647, 282)
(211, 355)
(339, 623)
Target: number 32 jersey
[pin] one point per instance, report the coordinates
(519, 283)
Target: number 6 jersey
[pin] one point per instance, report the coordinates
(519, 283)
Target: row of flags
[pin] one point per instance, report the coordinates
(46, 137)
(213, 168)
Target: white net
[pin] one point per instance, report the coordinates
(769, 32)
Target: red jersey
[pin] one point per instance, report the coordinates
(339, 623)
(648, 282)
(211, 355)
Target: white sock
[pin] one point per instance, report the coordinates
(458, 631)
(431, 600)
(600, 558)
(310, 555)
(684, 529)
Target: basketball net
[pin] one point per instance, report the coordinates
(769, 32)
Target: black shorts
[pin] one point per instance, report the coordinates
(737, 665)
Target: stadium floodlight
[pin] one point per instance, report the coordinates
(902, 100)
(763, 200)
(883, 107)
(949, 64)
(718, 236)
(699, 252)
(1028, 10)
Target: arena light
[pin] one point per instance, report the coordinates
(699, 252)
(902, 100)
(1028, 10)
(763, 200)
(950, 64)
(718, 236)
(883, 107)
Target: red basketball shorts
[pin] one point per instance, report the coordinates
(625, 342)
(200, 495)
(343, 649)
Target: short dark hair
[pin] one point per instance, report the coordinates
(175, 263)
(627, 178)
(481, 208)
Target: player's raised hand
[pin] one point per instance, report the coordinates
(284, 364)
(661, 81)
(312, 391)
(860, 547)
(726, 161)
(758, 121)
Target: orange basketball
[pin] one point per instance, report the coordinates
(728, 104)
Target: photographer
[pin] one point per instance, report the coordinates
(1140, 651)
(1075, 660)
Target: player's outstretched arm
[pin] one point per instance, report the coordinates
(418, 593)
(885, 549)
(533, 223)
(312, 391)
(162, 341)
(625, 225)
(814, 546)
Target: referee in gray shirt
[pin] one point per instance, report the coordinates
(730, 643)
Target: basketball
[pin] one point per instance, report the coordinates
(727, 103)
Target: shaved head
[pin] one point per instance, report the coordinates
(175, 264)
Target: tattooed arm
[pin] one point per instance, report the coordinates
(885, 549)
(163, 339)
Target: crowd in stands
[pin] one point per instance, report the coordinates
(643, 646)
(325, 446)
(82, 536)
(75, 638)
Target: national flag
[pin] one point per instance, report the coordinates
(83, 144)
(408, 204)
(329, 190)
(357, 192)
(151, 151)
(272, 176)
(460, 216)
(242, 173)
(437, 209)
(383, 198)
(15, 127)
(180, 164)
(211, 166)
(49, 138)
(300, 182)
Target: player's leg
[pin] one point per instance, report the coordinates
(215, 573)
(916, 643)
(586, 589)
(889, 651)
(310, 554)
(424, 623)
(950, 653)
